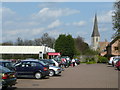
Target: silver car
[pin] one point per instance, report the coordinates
(54, 70)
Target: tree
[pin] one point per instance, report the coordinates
(10, 43)
(28, 42)
(37, 42)
(81, 46)
(47, 40)
(116, 19)
(65, 45)
(19, 41)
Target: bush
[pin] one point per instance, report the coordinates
(91, 62)
(102, 59)
(90, 59)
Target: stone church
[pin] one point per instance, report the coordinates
(95, 37)
(105, 48)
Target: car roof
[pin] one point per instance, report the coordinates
(4, 69)
(4, 61)
(30, 60)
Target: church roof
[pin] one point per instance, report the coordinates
(95, 28)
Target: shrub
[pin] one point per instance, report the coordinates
(102, 59)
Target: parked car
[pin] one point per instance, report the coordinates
(56, 63)
(7, 77)
(7, 64)
(49, 61)
(32, 68)
(62, 62)
(54, 70)
(115, 61)
(111, 59)
(118, 64)
(77, 61)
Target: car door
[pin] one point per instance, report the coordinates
(30, 68)
(19, 68)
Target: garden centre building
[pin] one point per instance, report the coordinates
(20, 52)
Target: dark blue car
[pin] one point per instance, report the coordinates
(7, 77)
(32, 68)
(7, 64)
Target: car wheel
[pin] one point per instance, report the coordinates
(51, 73)
(119, 68)
(38, 75)
(112, 64)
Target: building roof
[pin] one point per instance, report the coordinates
(95, 28)
(25, 49)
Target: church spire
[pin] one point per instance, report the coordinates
(95, 28)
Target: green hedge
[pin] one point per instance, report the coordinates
(102, 59)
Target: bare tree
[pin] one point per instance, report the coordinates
(47, 40)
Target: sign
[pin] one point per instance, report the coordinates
(53, 53)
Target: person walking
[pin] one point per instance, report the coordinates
(73, 62)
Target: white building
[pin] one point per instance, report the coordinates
(25, 50)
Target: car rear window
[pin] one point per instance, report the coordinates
(3, 69)
(43, 63)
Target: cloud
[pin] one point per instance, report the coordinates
(105, 17)
(47, 5)
(7, 13)
(23, 33)
(54, 33)
(80, 23)
(46, 13)
(54, 24)
(103, 29)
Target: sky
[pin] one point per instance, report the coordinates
(30, 20)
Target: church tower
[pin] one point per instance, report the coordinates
(95, 35)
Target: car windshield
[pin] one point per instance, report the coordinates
(6, 64)
(45, 61)
(50, 61)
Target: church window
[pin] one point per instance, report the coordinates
(96, 39)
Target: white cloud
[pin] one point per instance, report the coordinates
(105, 17)
(80, 23)
(103, 29)
(47, 4)
(46, 13)
(54, 33)
(23, 33)
(54, 24)
(7, 13)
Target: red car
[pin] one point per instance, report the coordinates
(118, 64)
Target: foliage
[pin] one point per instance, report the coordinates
(102, 59)
(116, 18)
(10, 43)
(44, 40)
(65, 45)
(47, 40)
(90, 59)
(80, 45)
(90, 52)
(91, 62)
